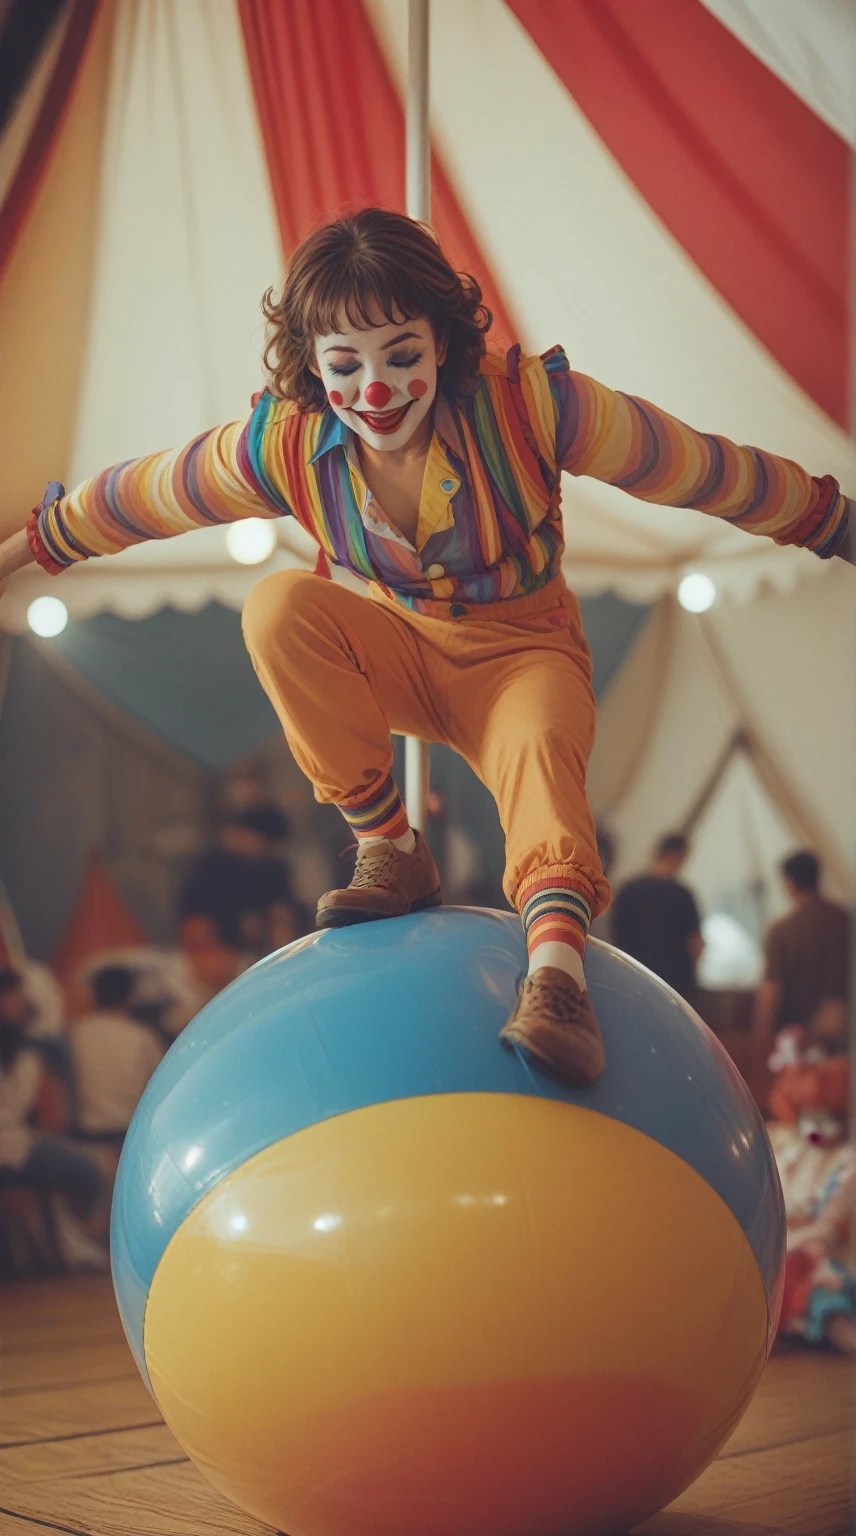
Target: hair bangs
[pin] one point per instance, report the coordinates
(358, 299)
(367, 269)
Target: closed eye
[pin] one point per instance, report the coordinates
(394, 362)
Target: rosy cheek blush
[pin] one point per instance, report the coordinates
(417, 388)
(335, 398)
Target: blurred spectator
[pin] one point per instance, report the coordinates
(167, 992)
(655, 918)
(807, 955)
(242, 884)
(212, 963)
(30, 1159)
(43, 991)
(113, 1056)
(817, 1168)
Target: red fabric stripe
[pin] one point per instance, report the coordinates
(36, 157)
(333, 128)
(752, 183)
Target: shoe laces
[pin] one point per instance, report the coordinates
(375, 866)
(557, 1004)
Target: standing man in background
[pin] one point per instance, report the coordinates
(656, 921)
(242, 883)
(807, 954)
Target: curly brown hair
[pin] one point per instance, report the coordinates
(361, 265)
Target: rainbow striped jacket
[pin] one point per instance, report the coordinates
(490, 524)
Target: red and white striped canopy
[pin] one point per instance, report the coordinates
(662, 188)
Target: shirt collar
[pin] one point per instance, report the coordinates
(333, 433)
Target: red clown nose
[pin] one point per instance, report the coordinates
(377, 394)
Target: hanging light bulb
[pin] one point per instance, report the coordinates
(47, 616)
(696, 593)
(251, 541)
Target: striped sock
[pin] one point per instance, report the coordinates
(380, 813)
(555, 910)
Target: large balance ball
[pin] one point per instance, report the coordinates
(386, 1279)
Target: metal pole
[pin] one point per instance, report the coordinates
(418, 134)
(852, 555)
(418, 158)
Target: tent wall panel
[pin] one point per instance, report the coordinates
(45, 299)
(77, 776)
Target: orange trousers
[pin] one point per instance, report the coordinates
(507, 686)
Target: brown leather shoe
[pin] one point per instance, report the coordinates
(554, 1022)
(386, 883)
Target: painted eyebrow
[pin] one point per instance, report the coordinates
(405, 336)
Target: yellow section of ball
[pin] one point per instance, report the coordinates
(473, 1312)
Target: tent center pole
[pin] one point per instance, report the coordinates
(418, 162)
(852, 380)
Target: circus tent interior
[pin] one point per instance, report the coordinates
(666, 190)
(158, 163)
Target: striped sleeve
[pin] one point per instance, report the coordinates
(220, 477)
(632, 444)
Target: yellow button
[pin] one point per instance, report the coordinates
(434, 572)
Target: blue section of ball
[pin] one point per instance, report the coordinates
(400, 1009)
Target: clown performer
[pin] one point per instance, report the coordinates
(432, 468)
(817, 1166)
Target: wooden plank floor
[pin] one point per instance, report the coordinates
(84, 1451)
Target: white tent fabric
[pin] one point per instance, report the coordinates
(727, 724)
(188, 239)
(810, 44)
(173, 334)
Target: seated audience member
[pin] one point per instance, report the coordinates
(807, 955)
(167, 993)
(817, 1167)
(211, 963)
(242, 885)
(655, 918)
(47, 1164)
(113, 1056)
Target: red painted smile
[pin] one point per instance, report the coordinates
(384, 422)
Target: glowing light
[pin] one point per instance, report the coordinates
(47, 616)
(239, 1222)
(696, 593)
(192, 1156)
(251, 541)
(327, 1222)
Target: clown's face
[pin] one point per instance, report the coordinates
(381, 381)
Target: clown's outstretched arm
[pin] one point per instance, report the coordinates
(630, 443)
(220, 477)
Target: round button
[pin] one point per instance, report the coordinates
(457, 611)
(447, 485)
(434, 572)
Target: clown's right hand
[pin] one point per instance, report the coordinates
(15, 553)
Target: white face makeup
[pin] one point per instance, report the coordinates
(382, 381)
